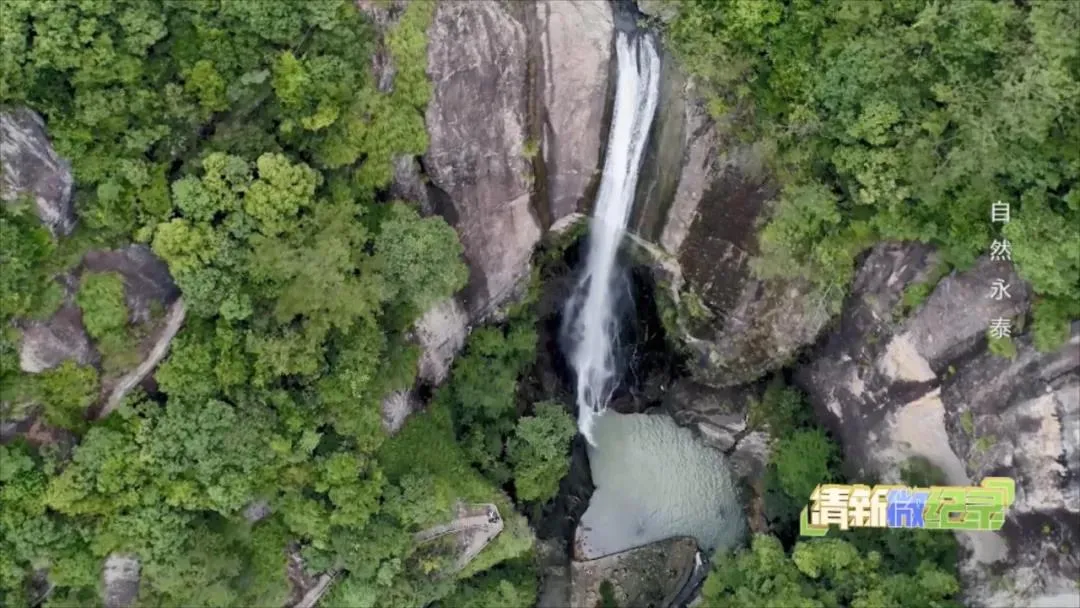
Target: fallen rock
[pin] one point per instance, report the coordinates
(29, 167)
(652, 575)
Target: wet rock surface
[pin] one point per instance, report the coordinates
(720, 418)
(652, 575)
(30, 168)
(893, 387)
(700, 203)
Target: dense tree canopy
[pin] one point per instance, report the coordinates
(248, 145)
(905, 120)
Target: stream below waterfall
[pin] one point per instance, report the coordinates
(653, 479)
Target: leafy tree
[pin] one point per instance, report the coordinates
(247, 143)
(65, 392)
(481, 391)
(782, 409)
(512, 585)
(539, 451)
(105, 315)
(819, 573)
(25, 286)
(414, 252)
(803, 460)
(484, 379)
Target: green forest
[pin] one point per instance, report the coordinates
(905, 120)
(246, 144)
(896, 120)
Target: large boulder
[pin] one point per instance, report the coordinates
(477, 123)
(120, 575)
(701, 201)
(575, 55)
(154, 308)
(893, 387)
(30, 168)
(46, 343)
(652, 575)
(147, 282)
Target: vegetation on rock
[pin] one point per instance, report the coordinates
(249, 145)
(860, 568)
(905, 121)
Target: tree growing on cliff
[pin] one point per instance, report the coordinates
(539, 451)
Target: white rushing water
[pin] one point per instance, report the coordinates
(595, 326)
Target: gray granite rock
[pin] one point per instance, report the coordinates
(894, 387)
(120, 580)
(700, 203)
(147, 282)
(30, 168)
(49, 342)
(477, 124)
(575, 52)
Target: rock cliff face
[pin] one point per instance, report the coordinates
(29, 167)
(574, 60)
(515, 126)
(516, 136)
(893, 388)
(701, 200)
(478, 123)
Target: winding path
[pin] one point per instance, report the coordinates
(476, 524)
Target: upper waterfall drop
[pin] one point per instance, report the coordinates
(594, 327)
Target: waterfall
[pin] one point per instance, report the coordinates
(594, 325)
